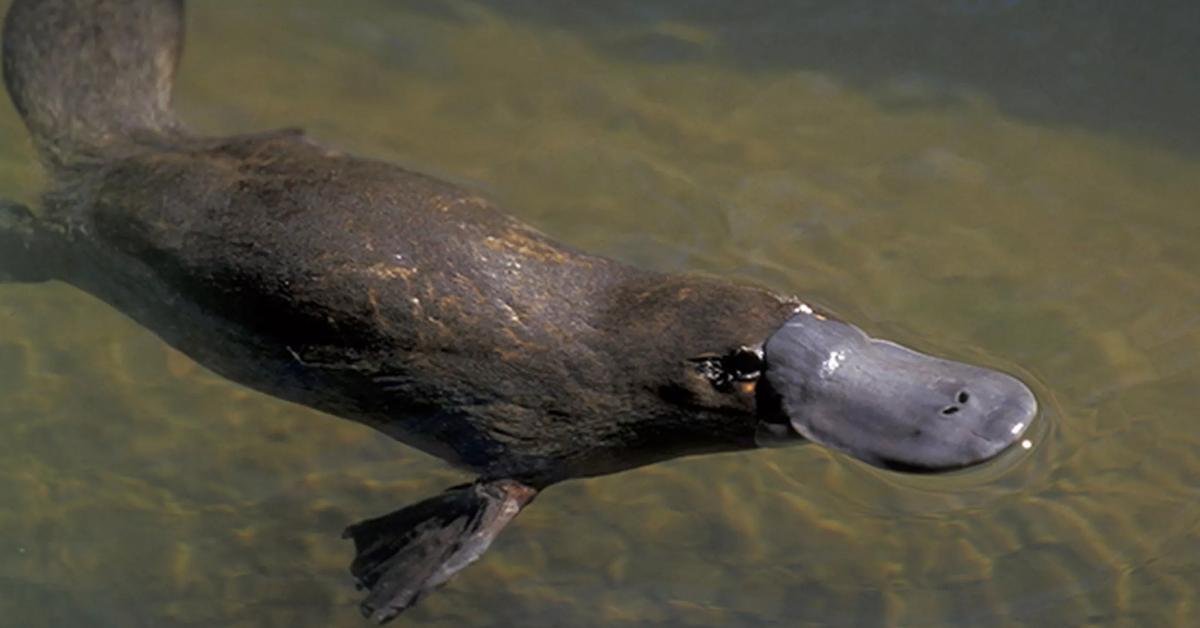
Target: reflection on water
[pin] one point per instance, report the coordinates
(1110, 66)
(996, 181)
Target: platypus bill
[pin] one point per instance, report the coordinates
(415, 307)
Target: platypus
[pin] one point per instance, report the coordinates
(416, 307)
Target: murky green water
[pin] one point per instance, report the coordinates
(991, 179)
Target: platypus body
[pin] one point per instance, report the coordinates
(405, 303)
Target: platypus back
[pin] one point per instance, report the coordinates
(92, 78)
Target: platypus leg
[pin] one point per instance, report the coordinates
(406, 554)
(24, 254)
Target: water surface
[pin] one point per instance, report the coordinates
(991, 180)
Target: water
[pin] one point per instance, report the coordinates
(996, 181)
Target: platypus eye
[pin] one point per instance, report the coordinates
(743, 364)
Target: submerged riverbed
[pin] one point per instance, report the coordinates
(993, 181)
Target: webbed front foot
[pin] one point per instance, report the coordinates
(404, 555)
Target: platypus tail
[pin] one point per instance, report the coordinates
(92, 78)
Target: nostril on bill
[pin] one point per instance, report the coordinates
(962, 398)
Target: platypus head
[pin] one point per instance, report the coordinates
(826, 381)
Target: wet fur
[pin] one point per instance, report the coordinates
(397, 300)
